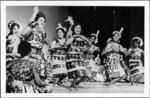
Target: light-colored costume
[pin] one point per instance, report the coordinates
(135, 63)
(114, 58)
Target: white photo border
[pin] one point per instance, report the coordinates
(145, 4)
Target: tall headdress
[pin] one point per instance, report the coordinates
(70, 20)
(118, 32)
(59, 26)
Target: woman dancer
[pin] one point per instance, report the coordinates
(114, 59)
(35, 34)
(135, 61)
(92, 57)
(13, 38)
(77, 45)
(12, 43)
(58, 59)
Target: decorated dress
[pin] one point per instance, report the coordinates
(41, 68)
(75, 57)
(92, 62)
(12, 55)
(114, 59)
(58, 60)
(136, 65)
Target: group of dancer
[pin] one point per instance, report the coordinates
(69, 60)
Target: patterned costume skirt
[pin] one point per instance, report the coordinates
(113, 65)
(20, 75)
(17, 71)
(58, 64)
(136, 70)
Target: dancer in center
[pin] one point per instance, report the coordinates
(114, 63)
(77, 45)
(92, 57)
(58, 56)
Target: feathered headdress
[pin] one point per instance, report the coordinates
(140, 40)
(59, 26)
(118, 32)
(70, 20)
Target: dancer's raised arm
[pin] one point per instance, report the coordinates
(31, 22)
(35, 11)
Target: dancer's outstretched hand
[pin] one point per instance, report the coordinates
(36, 9)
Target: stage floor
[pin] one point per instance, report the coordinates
(97, 87)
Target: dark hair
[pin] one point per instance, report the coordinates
(40, 14)
(61, 30)
(136, 40)
(93, 36)
(76, 24)
(11, 26)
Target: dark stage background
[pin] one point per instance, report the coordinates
(106, 19)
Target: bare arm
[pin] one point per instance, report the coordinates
(123, 50)
(36, 10)
(53, 44)
(37, 79)
(26, 31)
(106, 49)
(69, 40)
(28, 28)
(129, 51)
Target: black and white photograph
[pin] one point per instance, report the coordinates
(88, 48)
